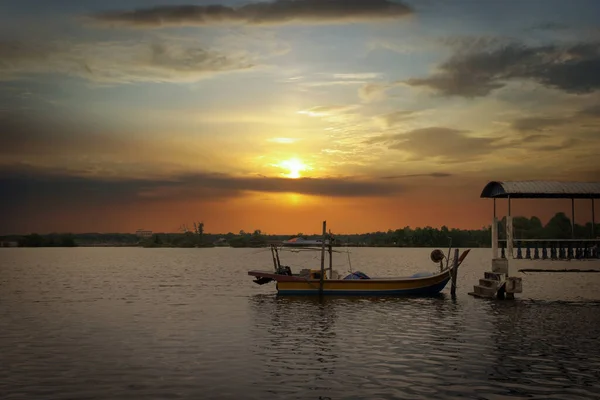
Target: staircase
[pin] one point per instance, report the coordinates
(492, 285)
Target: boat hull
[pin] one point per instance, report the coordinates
(422, 286)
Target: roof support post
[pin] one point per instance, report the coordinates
(572, 218)
(593, 220)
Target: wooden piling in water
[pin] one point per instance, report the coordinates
(454, 273)
(323, 257)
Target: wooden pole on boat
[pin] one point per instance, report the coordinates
(323, 257)
(274, 260)
(453, 273)
(277, 256)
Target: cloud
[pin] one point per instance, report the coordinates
(320, 111)
(118, 62)
(479, 67)
(592, 111)
(25, 186)
(444, 143)
(565, 144)
(448, 145)
(259, 13)
(357, 76)
(370, 92)
(42, 139)
(586, 117)
(397, 117)
(430, 175)
(537, 123)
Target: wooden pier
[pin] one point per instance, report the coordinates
(512, 256)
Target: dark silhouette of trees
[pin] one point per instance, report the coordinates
(558, 227)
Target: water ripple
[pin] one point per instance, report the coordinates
(189, 323)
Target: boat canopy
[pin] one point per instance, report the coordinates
(541, 190)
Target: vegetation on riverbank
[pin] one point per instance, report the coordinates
(559, 227)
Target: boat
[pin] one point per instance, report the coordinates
(329, 282)
(301, 242)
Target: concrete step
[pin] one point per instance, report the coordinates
(491, 283)
(495, 276)
(484, 291)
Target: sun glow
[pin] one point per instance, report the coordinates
(294, 166)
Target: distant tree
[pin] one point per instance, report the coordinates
(559, 227)
(67, 240)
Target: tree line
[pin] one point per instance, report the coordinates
(558, 227)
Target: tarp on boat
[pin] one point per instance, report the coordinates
(357, 275)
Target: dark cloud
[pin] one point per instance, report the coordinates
(40, 135)
(117, 62)
(565, 144)
(585, 117)
(478, 68)
(537, 123)
(447, 145)
(25, 186)
(592, 112)
(431, 175)
(260, 13)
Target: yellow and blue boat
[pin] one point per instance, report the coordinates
(319, 282)
(310, 284)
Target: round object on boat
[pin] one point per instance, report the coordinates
(437, 256)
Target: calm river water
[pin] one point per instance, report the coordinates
(130, 323)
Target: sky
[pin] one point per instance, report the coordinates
(370, 114)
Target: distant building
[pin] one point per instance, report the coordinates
(9, 244)
(143, 233)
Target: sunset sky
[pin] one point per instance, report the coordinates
(370, 114)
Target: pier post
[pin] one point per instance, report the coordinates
(454, 274)
(593, 220)
(330, 249)
(494, 238)
(509, 237)
(323, 257)
(572, 218)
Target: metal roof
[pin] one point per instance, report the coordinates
(542, 190)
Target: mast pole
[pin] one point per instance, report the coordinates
(323, 257)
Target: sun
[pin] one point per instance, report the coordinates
(294, 166)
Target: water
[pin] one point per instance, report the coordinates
(129, 323)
